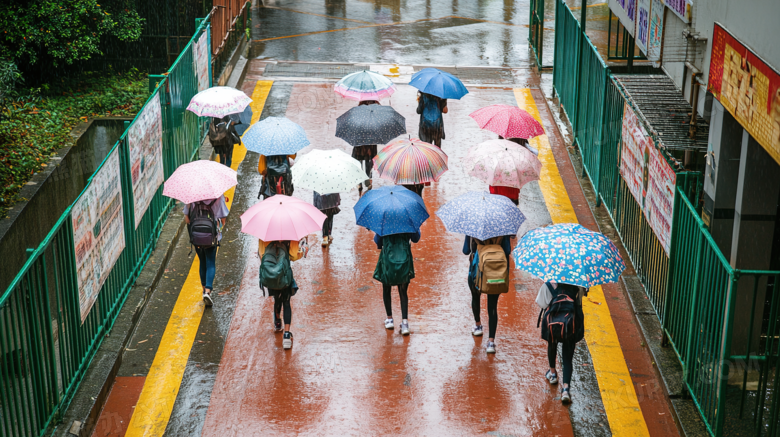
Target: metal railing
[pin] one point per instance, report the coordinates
(45, 348)
(229, 21)
(536, 32)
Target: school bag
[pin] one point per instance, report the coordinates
(278, 177)
(492, 273)
(203, 229)
(395, 265)
(275, 269)
(559, 318)
(218, 132)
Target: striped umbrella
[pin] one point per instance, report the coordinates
(411, 161)
(364, 85)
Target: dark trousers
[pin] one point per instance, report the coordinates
(226, 157)
(282, 301)
(402, 293)
(327, 225)
(417, 188)
(566, 357)
(492, 307)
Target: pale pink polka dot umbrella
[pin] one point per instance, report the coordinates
(508, 121)
(199, 180)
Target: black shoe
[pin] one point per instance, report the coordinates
(287, 340)
(277, 325)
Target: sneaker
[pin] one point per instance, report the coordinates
(207, 299)
(477, 331)
(389, 324)
(287, 340)
(552, 378)
(277, 325)
(565, 397)
(491, 347)
(325, 242)
(405, 329)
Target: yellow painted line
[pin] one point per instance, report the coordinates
(617, 390)
(317, 15)
(153, 411)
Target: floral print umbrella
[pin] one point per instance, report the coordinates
(199, 180)
(364, 85)
(481, 215)
(411, 161)
(569, 253)
(502, 163)
(219, 101)
(508, 121)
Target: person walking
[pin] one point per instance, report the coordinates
(365, 154)
(562, 321)
(395, 267)
(329, 205)
(512, 193)
(205, 220)
(276, 275)
(522, 142)
(431, 109)
(277, 178)
(223, 136)
(473, 248)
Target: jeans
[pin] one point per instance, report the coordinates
(566, 357)
(492, 307)
(208, 264)
(402, 293)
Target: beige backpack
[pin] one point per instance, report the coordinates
(492, 267)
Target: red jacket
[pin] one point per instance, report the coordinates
(510, 192)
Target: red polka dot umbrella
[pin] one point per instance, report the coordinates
(508, 121)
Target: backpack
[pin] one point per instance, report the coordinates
(218, 132)
(432, 111)
(559, 318)
(278, 177)
(203, 228)
(275, 269)
(492, 273)
(395, 265)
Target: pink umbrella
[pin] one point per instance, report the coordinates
(281, 218)
(199, 180)
(508, 121)
(502, 163)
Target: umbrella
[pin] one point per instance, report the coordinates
(391, 210)
(275, 136)
(370, 124)
(440, 84)
(327, 171)
(219, 101)
(364, 85)
(199, 180)
(411, 161)
(481, 215)
(508, 121)
(242, 120)
(281, 218)
(503, 163)
(569, 253)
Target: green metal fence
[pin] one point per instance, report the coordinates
(536, 31)
(45, 349)
(565, 72)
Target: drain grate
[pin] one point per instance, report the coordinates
(319, 71)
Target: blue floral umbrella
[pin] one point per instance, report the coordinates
(440, 84)
(391, 210)
(275, 136)
(481, 215)
(570, 254)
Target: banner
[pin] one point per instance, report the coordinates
(642, 24)
(649, 177)
(748, 88)
(146, 166)
(98, 231)
(681, 8)
(656, 32)
(625, 10)
(200, 54)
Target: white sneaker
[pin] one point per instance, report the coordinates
(405, 329)
(491, 347)
(287, 340)
(552, 378)
(207, 299)
(389, 324)
(476, 331)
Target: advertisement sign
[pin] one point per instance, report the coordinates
(748, 88)
(98, 232)
(681, 8)
(655, 34)
(649, 177)
(642, 24)
(146, 166)
(200, 54)
(625, 10)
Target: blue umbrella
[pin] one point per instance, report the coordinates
(242, 120)
(391, 210)
(481, 215)
(569, 253)
(440, 84)
(275, 136)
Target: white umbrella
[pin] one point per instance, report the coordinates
(327, 171)
(219, 101)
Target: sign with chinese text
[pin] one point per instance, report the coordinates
(642, 24)
(681, 8)
(146, 166)
(655, 35)
(200, 54)
(625, 10)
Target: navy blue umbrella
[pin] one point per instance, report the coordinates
(391, 210)
(242, 120)
(440, 84)
(370, 124)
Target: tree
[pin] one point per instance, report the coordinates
(60, 32)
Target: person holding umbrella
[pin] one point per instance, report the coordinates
(329, 205)
(365, 153)
(223, 136)
(435, 88)
(504, 165)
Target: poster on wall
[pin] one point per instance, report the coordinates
(200, 53)
(748, 88)
(146, 166)
(655, 34)
(642, 24)
(98, 231)
(648, 175)
(681, 8)
(625, 10)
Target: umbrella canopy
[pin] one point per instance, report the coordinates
(199, 180)
(569, 253)
(502, 163)
(281, 218)
(411, 161)
(481, 215)
(370, 124)
(327, 171)
(275, 136)
(242, 120)
(391, 210)
(440, 84)
(364, 85)
(508, 121)
(219, 101)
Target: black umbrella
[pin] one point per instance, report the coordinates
(370, 124)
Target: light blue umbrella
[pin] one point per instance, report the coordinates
(275, 136)
(440, 84)
(391, 210)
(481, 215)
(569, 253)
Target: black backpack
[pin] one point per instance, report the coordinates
(203, 229)
(559, 318)
(218, 131)
(275, 269)
(278, 177)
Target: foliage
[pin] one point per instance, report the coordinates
(34, 127)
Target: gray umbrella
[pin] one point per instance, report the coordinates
(242, 120)
(370, 124)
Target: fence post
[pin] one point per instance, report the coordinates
(601, 136)
(692, 311)
(731, 304)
